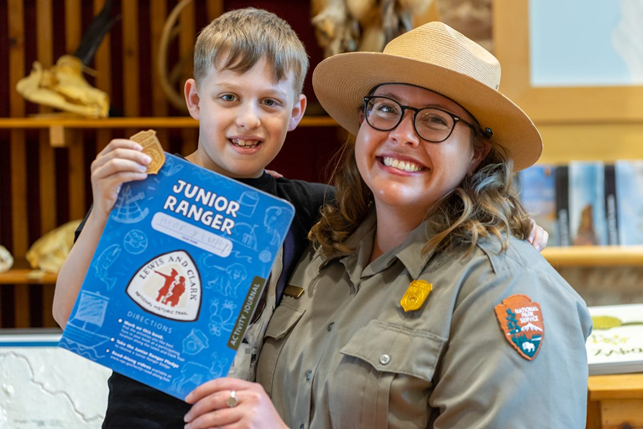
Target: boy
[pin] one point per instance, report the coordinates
(249, 68)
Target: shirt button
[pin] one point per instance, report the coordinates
(309, 373)
(385, 359)
(330, 326)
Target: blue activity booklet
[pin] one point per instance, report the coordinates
(176, 276)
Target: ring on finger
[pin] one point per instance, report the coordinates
(231, 401)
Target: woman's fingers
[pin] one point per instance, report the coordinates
(220, 417)
(213, 401)
(216, 406)
(541, 239)
(217, 385)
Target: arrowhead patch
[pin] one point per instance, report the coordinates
(169, 286)
(521, 321)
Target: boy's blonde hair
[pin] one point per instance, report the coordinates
(238, 39)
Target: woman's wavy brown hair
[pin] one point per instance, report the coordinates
(485, 204)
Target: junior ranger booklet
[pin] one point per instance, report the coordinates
(176, 276)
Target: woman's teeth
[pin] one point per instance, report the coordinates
(401, 165)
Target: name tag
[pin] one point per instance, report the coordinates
(293, 291)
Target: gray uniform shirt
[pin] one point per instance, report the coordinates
(346, 355)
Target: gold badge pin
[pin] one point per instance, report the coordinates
(293, 291)
(151, 147)
(415, 295)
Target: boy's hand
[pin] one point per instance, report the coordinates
(210, 409)
(120, 162)
(538, 237)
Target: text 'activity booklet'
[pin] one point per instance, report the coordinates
(176, 277)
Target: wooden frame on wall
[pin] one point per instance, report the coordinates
(613, 104)
(576, 123)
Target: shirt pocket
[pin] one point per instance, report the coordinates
(385, 373)
(283, 321)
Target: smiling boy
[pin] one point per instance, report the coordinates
(249, 68)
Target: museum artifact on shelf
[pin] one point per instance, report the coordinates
(50, 251)
(63, 86)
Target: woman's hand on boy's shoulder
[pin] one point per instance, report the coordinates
(215, 405)
(274, 174)
(121, 161)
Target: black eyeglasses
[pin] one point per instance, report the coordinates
(431, 124)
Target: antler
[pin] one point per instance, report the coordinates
(100, 26)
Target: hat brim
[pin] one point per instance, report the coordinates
(341, 82)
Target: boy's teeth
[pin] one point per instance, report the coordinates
(401, 165)
(245, 143)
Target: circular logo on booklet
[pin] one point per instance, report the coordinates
(169, 286)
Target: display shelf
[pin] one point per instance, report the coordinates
(615, 386)
(615, 401)
(578, 256)
(138, 122)
(22, 273)
(589, 256)
(27, 276)
(60, 126)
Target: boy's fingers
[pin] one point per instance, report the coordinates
(121, 143)
(126, 176)
(122, 159)
(117, 166)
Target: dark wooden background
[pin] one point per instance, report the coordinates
(42, 187)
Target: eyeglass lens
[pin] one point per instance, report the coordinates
(431, 124)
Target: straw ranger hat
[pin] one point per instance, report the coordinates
(436, 57)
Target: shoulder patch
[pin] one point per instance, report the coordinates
(521, 322)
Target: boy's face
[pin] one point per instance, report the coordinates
(243, 118)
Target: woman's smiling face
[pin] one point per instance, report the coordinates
(402, 170)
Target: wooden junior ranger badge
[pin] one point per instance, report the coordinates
(415, 295)
(151, 147)
(521, 321)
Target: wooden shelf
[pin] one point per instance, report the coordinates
(578, 256)
(153, 122)
(618, 386)
(589, 256)
(61, 128)
(27, 276)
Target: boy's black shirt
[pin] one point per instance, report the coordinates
(135, 405)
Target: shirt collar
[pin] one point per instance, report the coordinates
(359, 240)
(409, 252)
